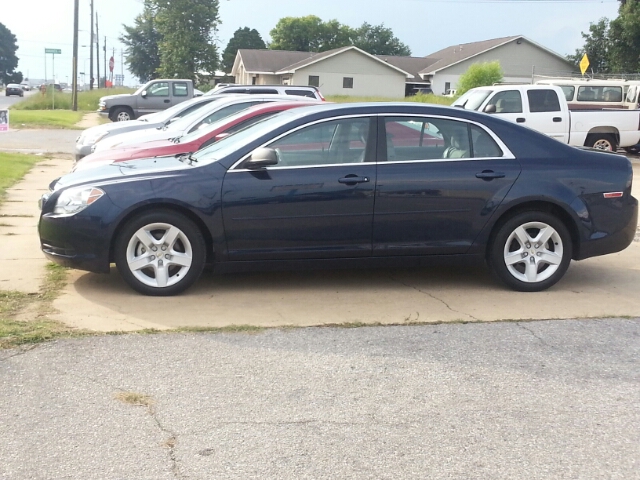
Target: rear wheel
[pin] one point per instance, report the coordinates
(602, 141)
(531, 251)
(160, 253)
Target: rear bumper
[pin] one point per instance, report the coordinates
(602, 243)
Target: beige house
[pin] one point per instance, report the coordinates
(351, 71)
(342, 71)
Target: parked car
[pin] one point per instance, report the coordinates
(422, 90)
(226, 105)
(191, 142)
(297, 90)
(544, 108)
(591, 94)
(14, 89)
(326, 185)
(89, 137)
(154, 96)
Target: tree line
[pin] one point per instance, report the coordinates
(613, 46)
(174, 38)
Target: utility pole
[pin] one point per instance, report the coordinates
(74, 88)
(104, 53)
(97, 54)
(91, 52)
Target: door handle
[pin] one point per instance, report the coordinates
(557, 119)
(167, 101)
(353, 179)
(521, 120)
(489, 175)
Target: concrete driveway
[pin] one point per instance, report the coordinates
(598, 287)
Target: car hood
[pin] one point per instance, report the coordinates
(119, 127)
(122, 171)
(111, 97)
(137, 138)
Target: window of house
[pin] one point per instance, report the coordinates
(347, 82)
(314, 80)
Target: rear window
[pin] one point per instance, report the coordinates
(543, 101)
(300, 93)
(180, 89)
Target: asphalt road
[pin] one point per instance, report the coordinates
(6, 102)
(554, 399)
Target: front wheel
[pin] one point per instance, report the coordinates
(531, 251)
(602, 141)
(122, 115)
(160, 253)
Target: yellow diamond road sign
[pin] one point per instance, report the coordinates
(584, 63)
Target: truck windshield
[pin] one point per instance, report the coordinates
(472, 99)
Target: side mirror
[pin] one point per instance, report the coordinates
(144, 94)
(491, 108)
(262, 157)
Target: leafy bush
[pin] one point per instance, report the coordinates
(479, 75)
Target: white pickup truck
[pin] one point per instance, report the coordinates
(544, 108)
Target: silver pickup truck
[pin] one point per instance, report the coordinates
(152, 97)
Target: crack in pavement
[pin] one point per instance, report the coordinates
(170, 442)
(434, 297)
(22, 350)
(536, 336)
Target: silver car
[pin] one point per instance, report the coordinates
(91, 136)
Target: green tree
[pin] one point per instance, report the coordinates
(8, 58)
(142, 55)
(186, 28)
(242, 38)
(596, 46)
(624, 34)
(309, 34)
(379, 40)
(479, 75)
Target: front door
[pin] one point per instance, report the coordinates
(157, 98)
(316, 203)
(440, 183)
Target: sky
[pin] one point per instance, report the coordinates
(426, 26)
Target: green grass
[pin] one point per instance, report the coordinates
(44, 118)
(14, 166)
(420, 98)
(87, 101)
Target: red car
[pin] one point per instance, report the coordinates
(191, 142)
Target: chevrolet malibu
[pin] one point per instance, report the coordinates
(347, 185)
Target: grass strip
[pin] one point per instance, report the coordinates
(87, 101)
(44, 119)
(13, 167)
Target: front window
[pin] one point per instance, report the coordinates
(509, 101)
(328, 143)
(158, 89)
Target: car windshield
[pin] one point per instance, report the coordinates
(228, 145)
(472, 100)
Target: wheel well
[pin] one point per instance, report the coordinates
(176, 208)
(555, 210)
(605, 130)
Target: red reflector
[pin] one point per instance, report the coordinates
(612, 195)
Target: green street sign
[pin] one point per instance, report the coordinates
(53, 50)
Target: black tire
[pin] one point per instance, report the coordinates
(187, 243)
(522, 274)
(602, 141)
(122, 114)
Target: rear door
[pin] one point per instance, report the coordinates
(179, 92)
(441, 181)
(546, 114)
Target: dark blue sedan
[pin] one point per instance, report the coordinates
(347, 185)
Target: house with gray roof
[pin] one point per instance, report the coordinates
(342, 71)
(354, 72)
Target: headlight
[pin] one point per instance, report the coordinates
(102, 106)
(75, 200)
